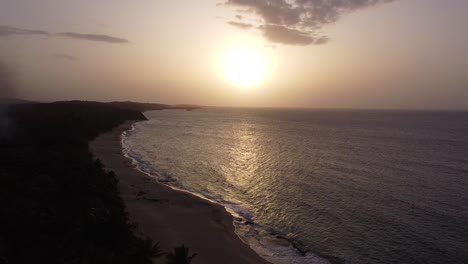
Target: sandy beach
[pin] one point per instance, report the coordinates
(169, 216)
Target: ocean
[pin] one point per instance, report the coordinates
(318, 186)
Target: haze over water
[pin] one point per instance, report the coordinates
(352, 186)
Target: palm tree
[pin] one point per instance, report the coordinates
(180, 256)
(151, 250)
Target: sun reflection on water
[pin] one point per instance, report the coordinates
(244, 160)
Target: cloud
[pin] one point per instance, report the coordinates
(299, 22)
(284, 35)
(93, 37)
(64, 56)
(6, 31)
(240, 25)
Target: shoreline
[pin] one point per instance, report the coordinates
(169, 216)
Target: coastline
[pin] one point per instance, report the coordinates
(169, 216)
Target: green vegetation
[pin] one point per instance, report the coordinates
(57, 203)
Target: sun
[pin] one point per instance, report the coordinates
(245, 67)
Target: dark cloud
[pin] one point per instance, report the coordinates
(240, 25)
(284, 35)
(64, 56)
(239, 17)
(299, 22)
(10, 31)
(93, 37)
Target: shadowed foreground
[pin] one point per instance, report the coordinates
(57, 203)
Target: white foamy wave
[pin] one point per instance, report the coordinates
(275, 249)
(272, 248)
(348, 185)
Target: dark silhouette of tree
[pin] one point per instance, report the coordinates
(180, 256)
(151, 250)
(57, 203)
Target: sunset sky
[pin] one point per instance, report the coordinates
(409, 54)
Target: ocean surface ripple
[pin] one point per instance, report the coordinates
(318, 185)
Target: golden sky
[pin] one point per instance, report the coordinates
(268, 53)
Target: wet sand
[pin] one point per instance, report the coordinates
(169, 216)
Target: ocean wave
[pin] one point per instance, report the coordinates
(275, 248)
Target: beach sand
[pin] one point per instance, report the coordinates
(172, 217)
